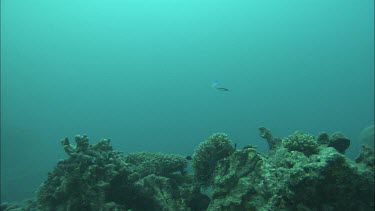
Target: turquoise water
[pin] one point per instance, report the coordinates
(140, 72)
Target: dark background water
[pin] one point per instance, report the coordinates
(140, 72)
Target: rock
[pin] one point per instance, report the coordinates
(339, 142)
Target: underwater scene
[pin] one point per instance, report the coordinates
(187, 105)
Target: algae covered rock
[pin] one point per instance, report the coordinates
(339, 142)
(208, 154)
(336, 140)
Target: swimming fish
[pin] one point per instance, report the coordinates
(217, 86)
(222, 89)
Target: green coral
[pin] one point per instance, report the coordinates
(301, 142)
(273, 142)
(160, 164)
(287, 179)
(95, 177)
(208, 153)
(81, 178)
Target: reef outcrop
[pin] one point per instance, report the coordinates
(206, 156)
(95, 177)
(299, 172)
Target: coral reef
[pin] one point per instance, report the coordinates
(366, 157)
(19, 206)
(273, 142)
(299, 172)
(301, 142)
(94, 177)
(157, 163)
(299, 175)
(208, 154)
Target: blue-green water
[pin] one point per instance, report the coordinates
(140, 72)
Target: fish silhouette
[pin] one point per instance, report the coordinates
(217, 86)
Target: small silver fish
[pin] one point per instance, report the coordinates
(222, 89)
(217, 86)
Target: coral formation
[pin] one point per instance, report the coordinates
(299, 172)
(301, 142)
(208, 154)
(157, 163)
(366, 157)
(95, 176)
(299, 175)
(273, 142)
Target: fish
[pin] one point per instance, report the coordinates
(222, 89)
(217, 86)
